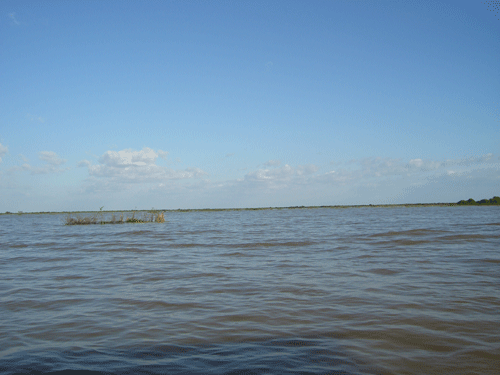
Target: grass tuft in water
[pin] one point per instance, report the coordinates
(151, 216)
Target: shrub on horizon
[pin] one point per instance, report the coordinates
(493, 201)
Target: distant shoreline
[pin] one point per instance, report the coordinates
(262, 208)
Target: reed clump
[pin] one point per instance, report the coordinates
(151, 216)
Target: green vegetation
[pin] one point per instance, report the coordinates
(151, 216)
(486, 202)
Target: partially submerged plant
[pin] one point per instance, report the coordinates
(152, 216)
(157, 216)
(160, 218)
(80, 220)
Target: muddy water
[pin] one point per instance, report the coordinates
(345, 291)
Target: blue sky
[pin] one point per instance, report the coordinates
(218, 104)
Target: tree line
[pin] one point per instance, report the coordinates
(472, 202)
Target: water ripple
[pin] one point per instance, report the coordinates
(354, 291)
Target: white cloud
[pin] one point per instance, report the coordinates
(417, 163)
(84, 163)
(50, 157)
(137, 166)
(44, 169)
(52, 164)
(378, 167)
(340, 177)
(128, 157)
(131, 178)
(278, 178)
(163, 154)
(271, 174)
(306, 169)
(364, 172)
(3, 151)
(376, 171)
(431, 165)
(284, 173)
(362, 181)
(272, 163)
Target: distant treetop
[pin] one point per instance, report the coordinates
(494, 200)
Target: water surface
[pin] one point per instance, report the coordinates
(347, 291)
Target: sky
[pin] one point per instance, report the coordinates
(232, 104)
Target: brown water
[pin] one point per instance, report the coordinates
(320, 291)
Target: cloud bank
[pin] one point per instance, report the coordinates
(136, 178)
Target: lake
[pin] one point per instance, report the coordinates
(371, 290)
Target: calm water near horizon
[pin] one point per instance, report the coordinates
(386, 290)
